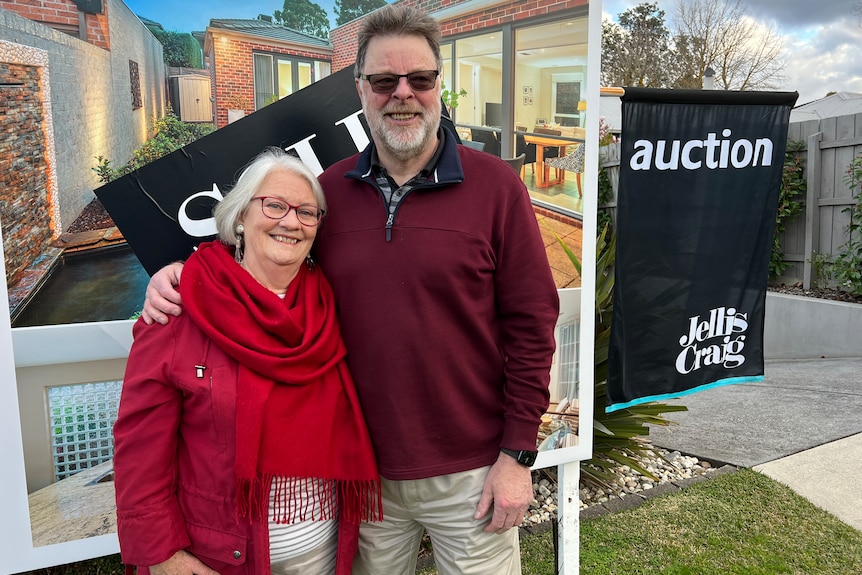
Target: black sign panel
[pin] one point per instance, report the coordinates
(700, 173)
(164, 209)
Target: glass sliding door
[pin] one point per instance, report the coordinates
(521, 80)
(549, 99)
(285, 78)
(278, 76)
(263, 83)
(477, 70)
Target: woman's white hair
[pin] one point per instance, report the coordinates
(231, 210)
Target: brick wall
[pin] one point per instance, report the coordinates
(24, 197)
(63, 15)
(233, 67)
(344, 38)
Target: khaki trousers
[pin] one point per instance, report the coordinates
(444, 506)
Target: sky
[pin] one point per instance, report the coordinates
(194, 15)
(822, 39)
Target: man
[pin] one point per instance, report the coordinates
(447, 307)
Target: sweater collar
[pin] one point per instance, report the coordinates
(443, 169)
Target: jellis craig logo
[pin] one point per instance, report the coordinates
(717, 340)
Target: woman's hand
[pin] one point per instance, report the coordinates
(182, 563)
(163, 299)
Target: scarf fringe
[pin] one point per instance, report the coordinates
(361, 500)
(356, 500)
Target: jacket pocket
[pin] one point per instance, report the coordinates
(217, 548)
(209, 406)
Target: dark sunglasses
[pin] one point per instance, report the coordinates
(421, 81)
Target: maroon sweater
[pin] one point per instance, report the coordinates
(449, 325)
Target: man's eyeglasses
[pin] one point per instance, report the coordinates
(275, 209)
(421, 81)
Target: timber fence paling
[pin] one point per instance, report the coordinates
(609, 161)
(820, 230)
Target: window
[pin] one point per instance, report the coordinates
(522, 76)
(277, 76)
(135, 77)
(564, 99)
(81, 419)
(550, 76)
(568, 362)
(478, 70)
(263, 83)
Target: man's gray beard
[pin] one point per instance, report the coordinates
(404, 151)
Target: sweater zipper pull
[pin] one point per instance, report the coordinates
(199, 371)
(389, 223)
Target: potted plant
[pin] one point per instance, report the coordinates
(450, 98)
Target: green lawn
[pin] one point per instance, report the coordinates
(740, 523)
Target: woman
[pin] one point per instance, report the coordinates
(240, 446)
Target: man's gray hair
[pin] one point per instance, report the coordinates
(394, 20)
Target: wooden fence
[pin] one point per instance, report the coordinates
(820, 229)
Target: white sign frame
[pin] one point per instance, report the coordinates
(28, 347)
(586, 361)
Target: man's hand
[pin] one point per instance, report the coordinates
(163, 299)
(182, 563)
(509, 488)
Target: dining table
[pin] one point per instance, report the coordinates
(543, 172)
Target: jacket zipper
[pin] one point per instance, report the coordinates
(389, 221)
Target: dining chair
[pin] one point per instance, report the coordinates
(517, 162)
(574, 162)
(492, 145)
(529, 151)
(475, 145)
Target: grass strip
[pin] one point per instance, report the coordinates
(741, 523)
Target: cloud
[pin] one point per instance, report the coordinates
(801, 13)
(821, 46)
(825, 61)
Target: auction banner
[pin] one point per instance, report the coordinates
(700, 172)
(164, 209)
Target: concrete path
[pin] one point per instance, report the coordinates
(828, 476)
(802, 426)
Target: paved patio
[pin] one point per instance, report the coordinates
(570, 231)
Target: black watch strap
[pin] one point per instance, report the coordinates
(526, 458)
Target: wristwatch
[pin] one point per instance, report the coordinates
(526, 458)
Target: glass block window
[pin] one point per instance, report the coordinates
(82, 418)
(568, 360)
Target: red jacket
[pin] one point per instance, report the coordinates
(174, 449)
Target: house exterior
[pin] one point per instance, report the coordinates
(78, 79)
(523, 64)
(279, 60)
(832, 106)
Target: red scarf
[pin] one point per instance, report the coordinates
(298, 417)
